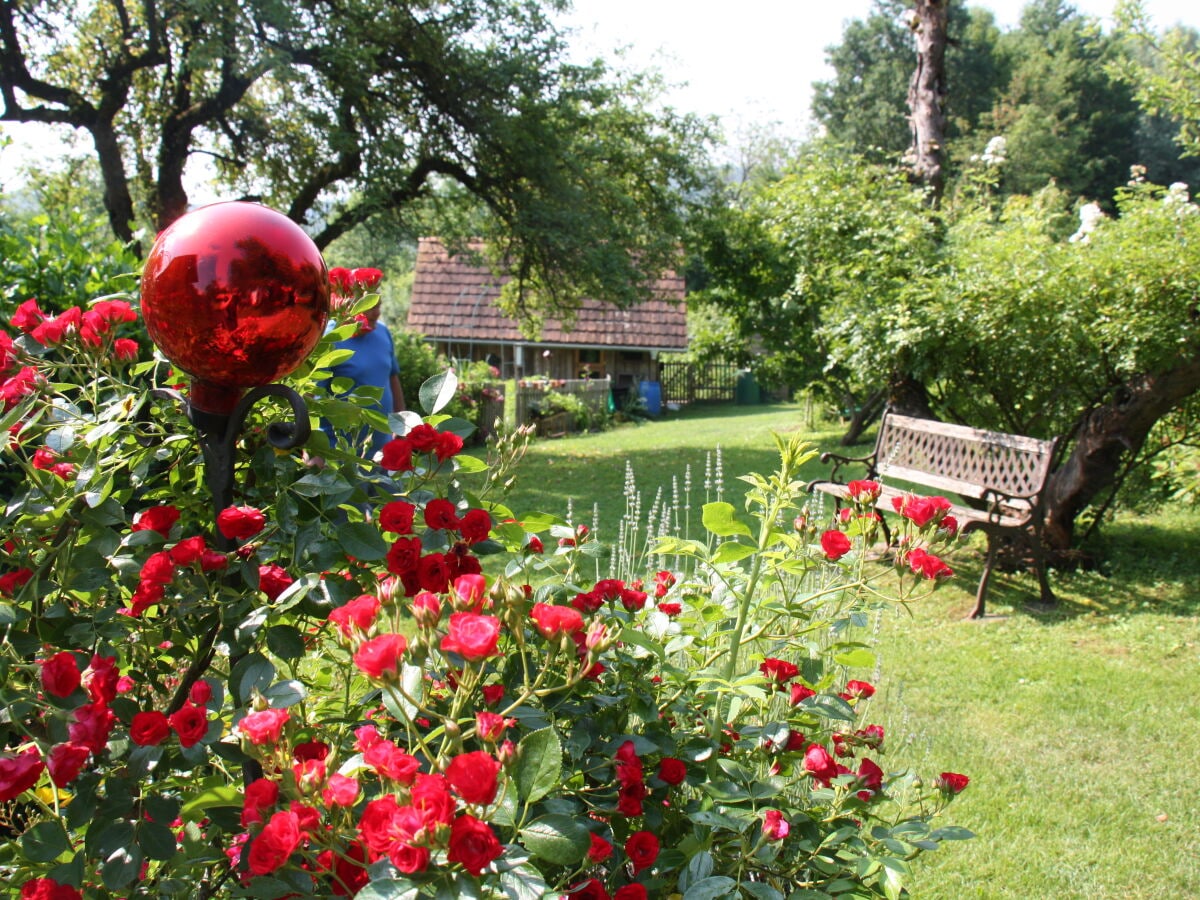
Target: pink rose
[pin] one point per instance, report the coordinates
(775, 827)
(264, 726)
(380, 657)
(473, 637)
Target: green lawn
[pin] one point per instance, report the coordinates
(1077, 727)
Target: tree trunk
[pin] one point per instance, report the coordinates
(908, 396)
(863, 415)
(927, 96)
(1104, 436)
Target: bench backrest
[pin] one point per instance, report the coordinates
(962, 460)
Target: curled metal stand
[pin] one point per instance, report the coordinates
(219, 434)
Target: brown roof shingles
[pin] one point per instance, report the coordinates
(454, 300)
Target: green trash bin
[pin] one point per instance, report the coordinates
(747, 391)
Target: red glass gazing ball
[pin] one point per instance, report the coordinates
(236, 295)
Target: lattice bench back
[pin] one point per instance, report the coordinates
(966, 461)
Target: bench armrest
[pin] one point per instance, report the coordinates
(840, 462)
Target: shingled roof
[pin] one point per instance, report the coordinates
(454, 300)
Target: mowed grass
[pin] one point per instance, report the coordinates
(1078, 726)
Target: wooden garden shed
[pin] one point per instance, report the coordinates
(453, 306)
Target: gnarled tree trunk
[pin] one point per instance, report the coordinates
(1105, 435)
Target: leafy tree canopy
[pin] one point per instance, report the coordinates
(337, 113)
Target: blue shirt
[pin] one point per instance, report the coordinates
(372, 365)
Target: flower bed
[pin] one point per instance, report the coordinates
(344, 705)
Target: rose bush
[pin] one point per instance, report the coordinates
(328, 689)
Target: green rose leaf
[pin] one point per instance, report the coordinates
(387, 889)
(155, 840)
(44, 842)
(539, 764)
(558, 839)
(438, 391)
(720, 519)
(362, 541)
(731, 551)
(710, 888)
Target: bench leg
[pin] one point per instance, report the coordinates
(1039, 562)
(981, 594)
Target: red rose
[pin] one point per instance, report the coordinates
(380, 657)
(633, 599)
(430, 795)
(213, 561)
(818, 762)
(19, 772)
(404, 555)
(188, 551)
(190, 723)
(860, 689)
(475, 525)
(952, 782)
(261, 795)
(440, 514)
(341, 280)
(448, 445)
(396, 455)
(158, 568)
(835, 544)
(433, 573)
(149, 728)
(863, 491)
(66, 762)
(264, 726)
(533, 544)
(555, 621)
(358, 614)
(642, 850)
(273, 581)
(600, 849)
(671, 770)
(60, 674)
(240, 522)
(426, 609)
(125, 348)
(492, 693)
(470, 590)
(91, 725)
(100, 679)
(10, 581)
(630, 892)
(800, 693)
(592, 889)
(775, 827)
(473, 777)
(275, 843)
(471, 636)
(424, 438)
(473, 844)
(397, 517)
(921, 510)
(870, 777)
(779, 671)
(366, 279)
(200, 692)
(48, 889)
(156, 518)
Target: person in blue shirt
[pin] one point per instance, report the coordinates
(373, 364)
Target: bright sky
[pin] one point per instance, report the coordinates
(754, 61)
(748, 62)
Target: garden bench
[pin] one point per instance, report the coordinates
(1001, 477)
